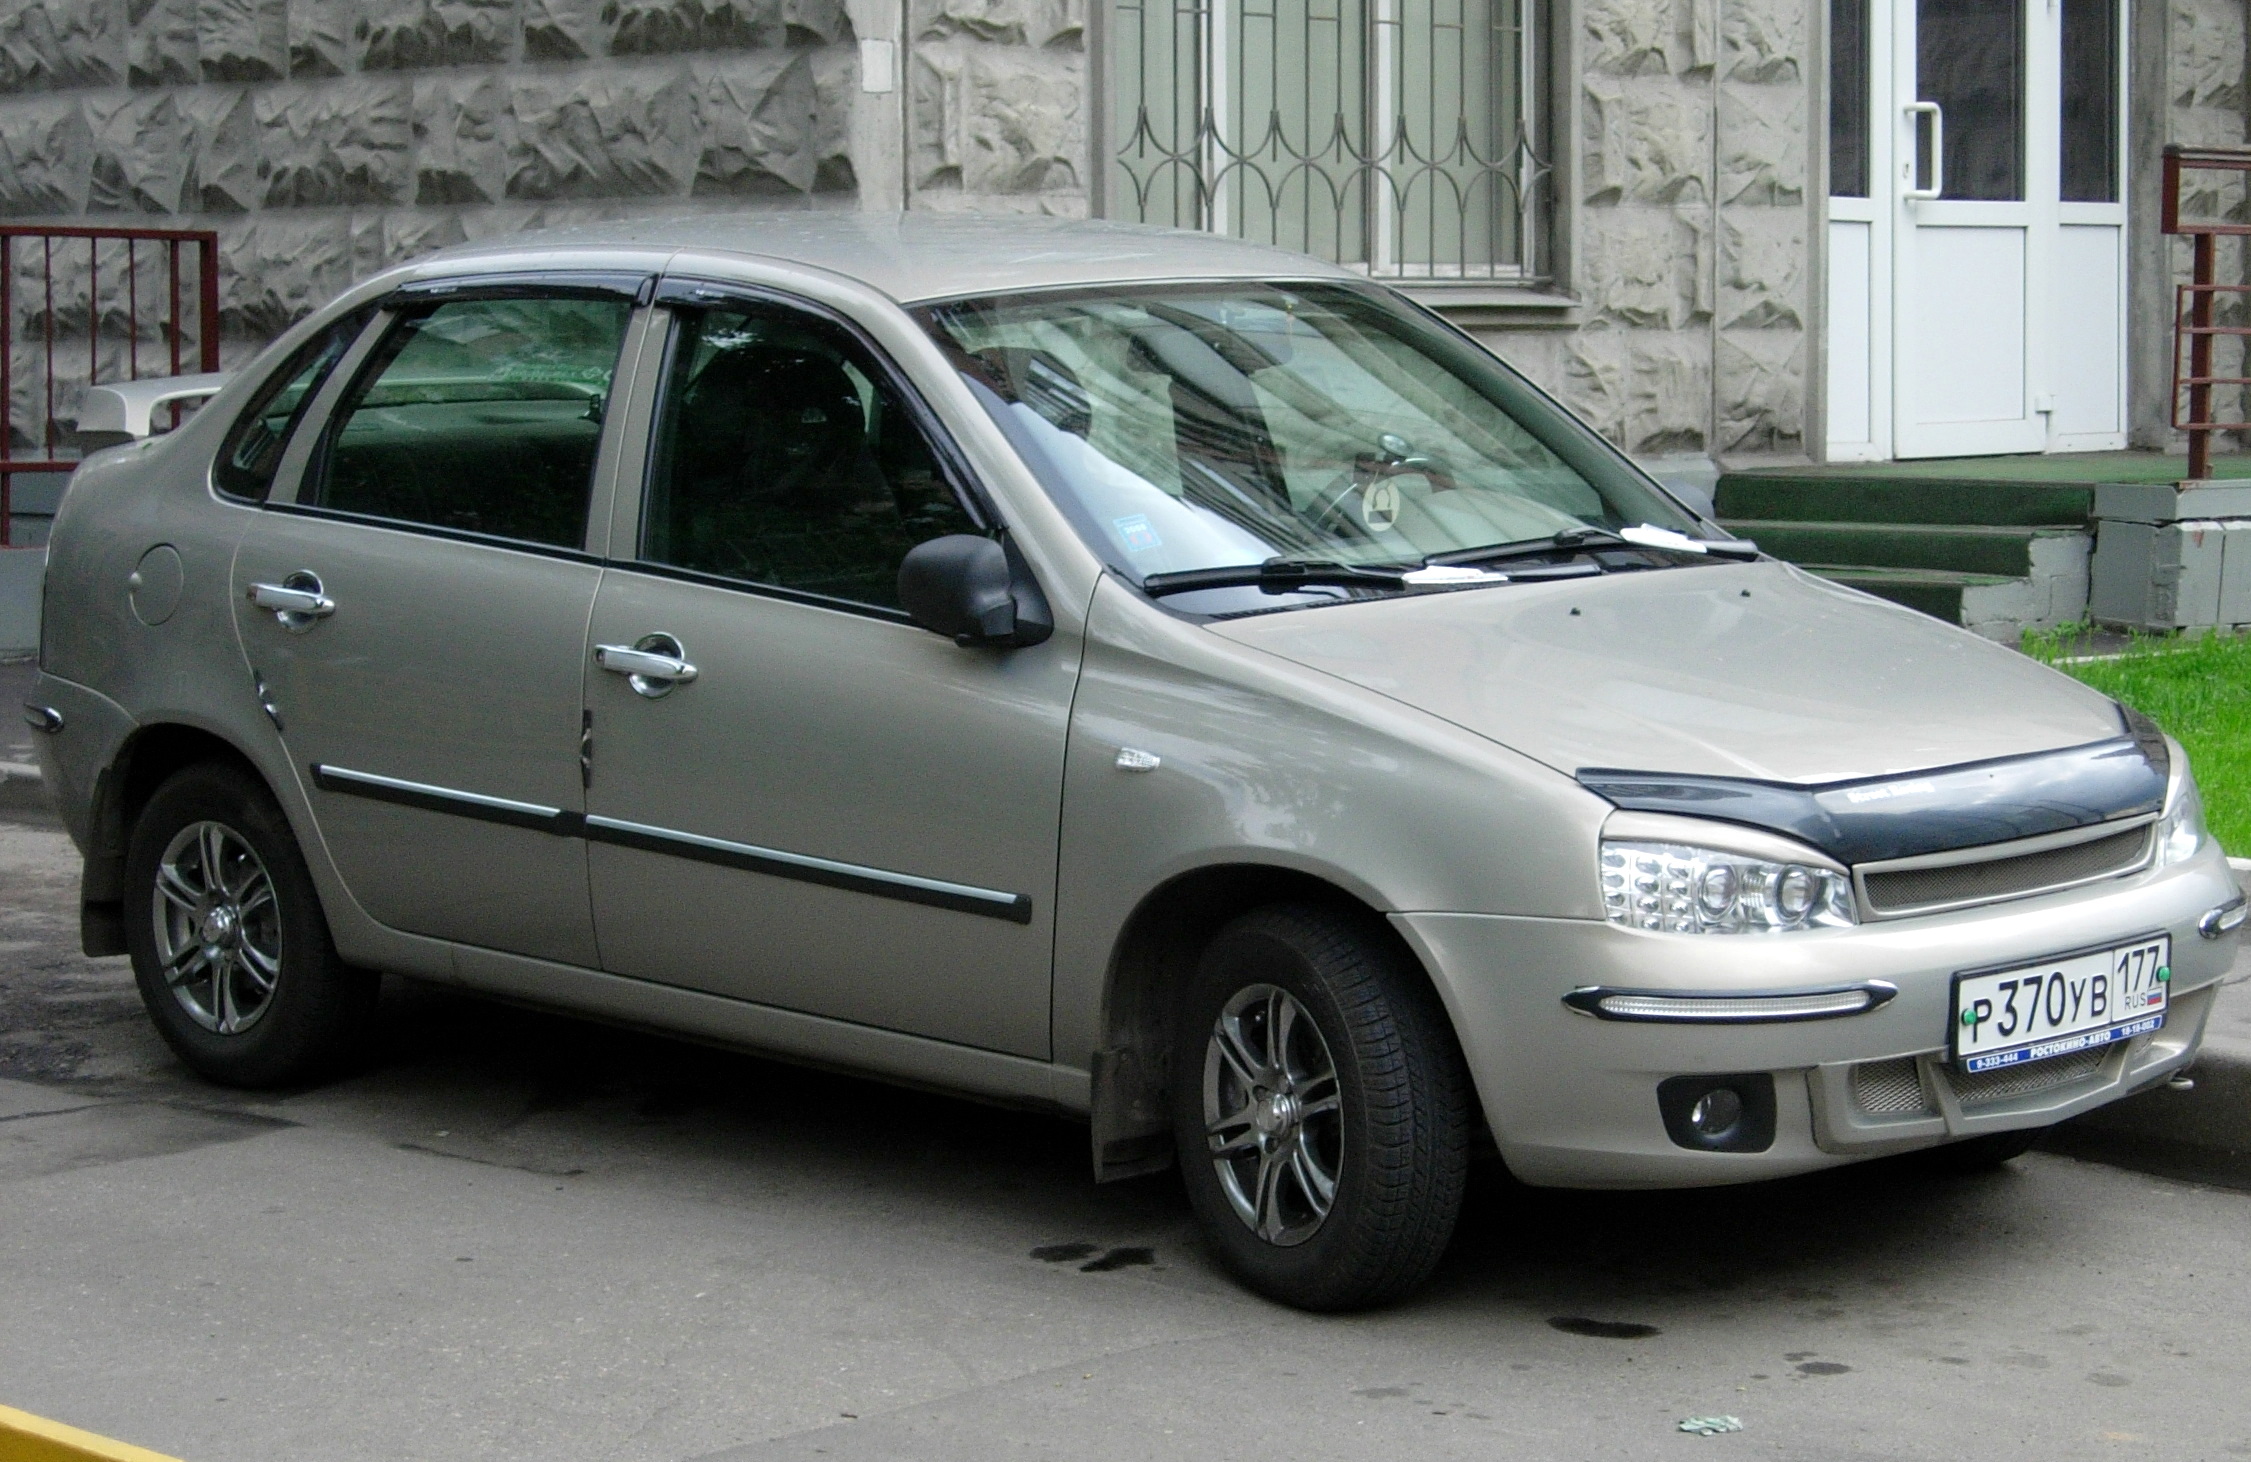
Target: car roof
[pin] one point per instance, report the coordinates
(927, 256)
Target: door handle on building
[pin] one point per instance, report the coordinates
(654, 665)
(298, 601)
(1938, 151)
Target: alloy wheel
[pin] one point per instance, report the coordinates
(218, 927)
(1273, 1114)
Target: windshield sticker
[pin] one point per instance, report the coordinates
(1379, 505)
(1138, 535)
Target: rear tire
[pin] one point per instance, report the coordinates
(229, 946)
(1980, 1154)
(1326, 1166)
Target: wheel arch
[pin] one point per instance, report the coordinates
(146, 759)
(1153, 954)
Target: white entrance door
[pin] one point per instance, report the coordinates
(1977, 229)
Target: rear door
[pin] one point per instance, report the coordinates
(839, 813)
(414, 612)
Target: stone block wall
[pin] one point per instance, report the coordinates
(996, 105)
(1690, 228)
(327, 139)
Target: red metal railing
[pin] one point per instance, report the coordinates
(2192, 303)
(148, 311)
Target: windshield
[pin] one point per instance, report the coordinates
(1204, 426)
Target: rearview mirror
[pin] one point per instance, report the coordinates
(976, 591)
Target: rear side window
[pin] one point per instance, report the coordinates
(482, 416)
(254, 446)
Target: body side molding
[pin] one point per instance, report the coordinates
(910, 888)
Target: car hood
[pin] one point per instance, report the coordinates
(1744, 670)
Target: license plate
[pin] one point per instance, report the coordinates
(2072, 1003)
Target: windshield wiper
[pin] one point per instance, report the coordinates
(1275, 576)
(1573, 540)
(1566, 541)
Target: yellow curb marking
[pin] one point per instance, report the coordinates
(28, 1438)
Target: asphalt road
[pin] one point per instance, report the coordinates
(518, 1236)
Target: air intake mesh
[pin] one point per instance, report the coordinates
(1975, 1089)
(2000, 878)
(1889, 1088)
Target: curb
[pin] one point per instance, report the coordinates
(28, 1438)
(22, 789)
(2198, 1136)
(2202, 1135)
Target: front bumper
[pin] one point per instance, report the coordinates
(1572, 1100)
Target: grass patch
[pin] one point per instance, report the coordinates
(2200, 690)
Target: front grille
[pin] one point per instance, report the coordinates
(1904, 889)
(1889, 1089)
(1977, 1088)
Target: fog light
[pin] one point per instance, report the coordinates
(1725, 1113)
(1716, 1113)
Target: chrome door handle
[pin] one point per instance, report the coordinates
(654, 665)
(1938, 151)
(297, 601)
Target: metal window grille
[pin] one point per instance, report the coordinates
(1395, 136)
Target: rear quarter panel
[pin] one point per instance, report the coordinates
(187, 669)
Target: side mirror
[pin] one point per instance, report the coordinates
(976, 591)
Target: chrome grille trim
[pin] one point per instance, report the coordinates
(1968, 877)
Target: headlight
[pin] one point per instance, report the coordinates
(2182, 831)
(1687, 890)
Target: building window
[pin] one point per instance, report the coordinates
(1849, 98)
(1395, 136)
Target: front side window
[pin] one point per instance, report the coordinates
(1213, 426)
(255, 445)
(785, 459)
(481, 416)
(1399, 136)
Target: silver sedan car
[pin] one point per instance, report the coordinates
(1134, 674)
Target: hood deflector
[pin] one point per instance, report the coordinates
(1905, 815)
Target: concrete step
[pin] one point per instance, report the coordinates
(1936, 592)
(1953, 547)
(1836, 498)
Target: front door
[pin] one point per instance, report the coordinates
(1977, 228)
(415, 614)
(798, 797)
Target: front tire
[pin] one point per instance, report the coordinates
(1321, 1110)
(229, 946)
